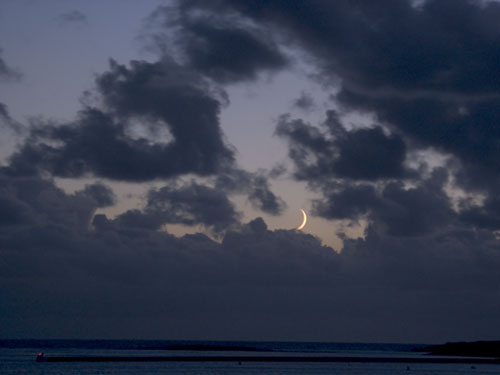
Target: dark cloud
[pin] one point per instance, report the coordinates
(390, 44)
(38, 202)
(195, 204)
(347, 202)
(135, 218)
(74, 16)
(415, 211)
(6, 72)
(465, 130)
(7, 121)
(359, 154)
(176, 114)
(191, 205)
(100, 193)
(429, 271)
(263, 198)
(221, 49)
(393, 209)
(178, 98)
(4, 113)
(95, 144)
(255, 185)
(485, 215)
(304, 102)
(157, 98)
(261, 284)
(157, 121)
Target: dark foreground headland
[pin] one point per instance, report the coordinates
(490, 349)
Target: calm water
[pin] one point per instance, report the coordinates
(18, 357)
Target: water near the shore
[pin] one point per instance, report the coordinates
(18, 357)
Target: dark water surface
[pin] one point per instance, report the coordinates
(18, 357)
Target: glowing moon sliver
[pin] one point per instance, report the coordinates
(304, 220)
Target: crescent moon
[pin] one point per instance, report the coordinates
(304, 220)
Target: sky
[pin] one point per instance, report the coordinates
(155, 155)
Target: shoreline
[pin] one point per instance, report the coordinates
(310, 359)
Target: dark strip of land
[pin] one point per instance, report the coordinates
(266, 359)
(471, 349)
(212, 347)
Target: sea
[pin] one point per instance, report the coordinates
(19, 357)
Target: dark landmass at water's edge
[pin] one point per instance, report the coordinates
(314, 359)
(204, 346)
(465, 349)
(213, 347)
